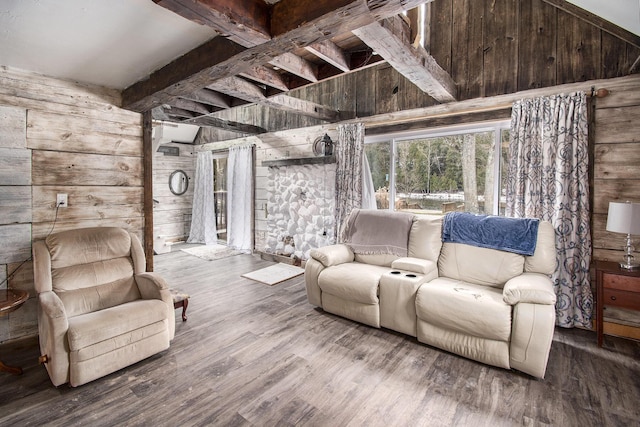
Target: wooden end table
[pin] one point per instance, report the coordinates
(10, 300)
(616, 287)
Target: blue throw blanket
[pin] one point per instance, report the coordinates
(518, 235)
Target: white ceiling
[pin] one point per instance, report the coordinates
(112, 43)
(115, 43)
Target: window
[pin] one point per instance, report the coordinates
(439, 171)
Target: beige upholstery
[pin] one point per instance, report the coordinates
(98, 310)
(492, 306)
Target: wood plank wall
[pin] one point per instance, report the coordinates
(489, 47)
(171, 213)
(61, 137)
(495, 47)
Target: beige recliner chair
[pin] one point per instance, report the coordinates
(98, 311)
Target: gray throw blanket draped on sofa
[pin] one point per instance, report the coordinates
(364, 235)
(517, 235)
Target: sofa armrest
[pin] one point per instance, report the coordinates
(153, 286)
(415, 265)
(532, 288)
(52, 330)
(333, 255)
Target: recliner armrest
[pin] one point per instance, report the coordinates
(333, 255)
(150, 285)
(52, 307)
(153, 286)
(532, 288)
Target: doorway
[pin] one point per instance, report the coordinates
(220, 192)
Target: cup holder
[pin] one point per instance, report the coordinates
(410, 275)
(395, 272)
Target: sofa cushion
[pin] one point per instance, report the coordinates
(91, 328)
(352, 281)
(425, 239)
(383, 260)
(466, 308)
(482, 266)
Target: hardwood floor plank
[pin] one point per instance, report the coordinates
(258, 355)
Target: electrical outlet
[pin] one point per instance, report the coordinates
(61, 200)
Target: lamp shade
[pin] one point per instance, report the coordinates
(624, 217)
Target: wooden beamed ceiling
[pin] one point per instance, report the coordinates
(263, 51)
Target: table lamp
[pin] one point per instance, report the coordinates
(624, 217)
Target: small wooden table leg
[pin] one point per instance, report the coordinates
(185, 303)
(11, 369)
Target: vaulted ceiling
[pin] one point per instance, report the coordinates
(263, 51)
(242, 52)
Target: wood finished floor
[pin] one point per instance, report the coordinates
(258, 355)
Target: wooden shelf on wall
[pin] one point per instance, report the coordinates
(320, 160)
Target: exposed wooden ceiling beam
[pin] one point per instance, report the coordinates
(178, 112)
(296, 65)
(239, 88)
(302, 25)
(597, 21)
(267, 76)
(210, 97)
(246, 20)
(331, 53)
(226, 125)
(390, 39)
(243, 89)
(189, 105)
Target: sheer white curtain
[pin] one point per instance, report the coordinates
(548, 178)
(203, 213)
(368, 192)
(239, 198)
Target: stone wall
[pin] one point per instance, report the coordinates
(300, 209)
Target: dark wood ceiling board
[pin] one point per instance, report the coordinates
(247, 20)
(537, 52)
(359, 60)
(289, 15)
(390, 39)
(597, 21)
(440, 34)
(578, 49)
(225, 59)
(301, 107)
(500, 47)
(467, 70)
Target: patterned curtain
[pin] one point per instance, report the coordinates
(548, 178)
(349, 153)
(203, 214)
(240, 198)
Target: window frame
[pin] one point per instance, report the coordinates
(495, 126)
